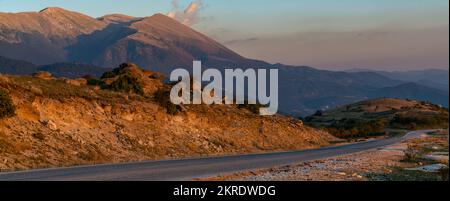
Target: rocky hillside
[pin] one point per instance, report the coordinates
(63, 122)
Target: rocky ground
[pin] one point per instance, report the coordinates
(430, 162)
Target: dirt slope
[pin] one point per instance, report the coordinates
(59, 123)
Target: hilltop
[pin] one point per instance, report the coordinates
(64, 122)
(373, 117)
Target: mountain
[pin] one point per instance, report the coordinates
(303, 90)
(434, 78)
(439, 76)
(16, 67)
(157, 42)
(160, 43)
(40, 37)
(57, 35)
(433, 84)
(73, 70)
(414, 91)
(63, 69)
(117, 19)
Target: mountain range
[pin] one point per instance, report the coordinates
(71, 44)
(435, 78)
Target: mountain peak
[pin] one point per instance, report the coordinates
(52, 10)
(162, 18)
(160, 15)
(117, 18)
(49, 22)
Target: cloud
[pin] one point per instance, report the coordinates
(245, 40)
(188, 16)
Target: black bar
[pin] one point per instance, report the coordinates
(281, 190)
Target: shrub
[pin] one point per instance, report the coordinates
(93, 81)
(411, 154)
(355, 128)
(163, 98)
(108, 75)
(423, 120)
(172, 109)
(7, 108)
(254, 108)
(443, 173)
(127, 83)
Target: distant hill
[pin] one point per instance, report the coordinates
(68, 70)
(435, 75)
(434, 78)
(373, 117)
(414, 91)
(16, 67)
(73, 70)
(303, 90)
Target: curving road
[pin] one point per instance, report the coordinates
(188, 169)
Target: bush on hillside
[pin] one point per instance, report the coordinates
(7, 108)
(163, 98)
(423, 121)
(127, 83)
(353, 128)
(410, 154)
(108, 74)
(254, 108)
(92, 81)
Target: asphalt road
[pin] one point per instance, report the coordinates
(188, 169)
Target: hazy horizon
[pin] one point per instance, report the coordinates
(334, 35)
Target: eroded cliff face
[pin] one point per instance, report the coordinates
(64, 123)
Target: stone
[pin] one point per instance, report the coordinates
(50, 124)
(77, 82)
(341, 174)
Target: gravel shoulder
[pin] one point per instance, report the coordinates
(387, 163)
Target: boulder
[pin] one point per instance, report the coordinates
(43, 75)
